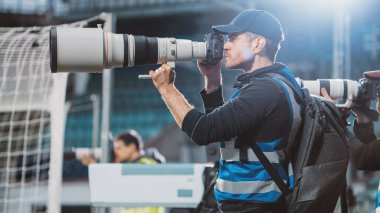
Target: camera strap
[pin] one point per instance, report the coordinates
(297, 96)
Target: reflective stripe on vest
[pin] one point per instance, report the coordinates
(246, 187)
(232, 154)
(146, 160)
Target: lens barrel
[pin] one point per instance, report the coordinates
(338, 89)
(146, 50)
(92, 50)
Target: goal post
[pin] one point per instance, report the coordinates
(32, 121)
(25, 116)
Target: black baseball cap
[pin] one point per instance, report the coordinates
(256, 21)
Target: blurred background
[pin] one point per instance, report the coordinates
(323, 39)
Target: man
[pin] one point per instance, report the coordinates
(259, 111)
(128, 148)
(364, 148)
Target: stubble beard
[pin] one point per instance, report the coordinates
(244, 65)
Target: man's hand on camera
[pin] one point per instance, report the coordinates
(212, 73)
(208, 70)
(163, 78)
(360, 117)
(326, 95)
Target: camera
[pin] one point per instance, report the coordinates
(362, 91)
(81, 152)
(214, 47)
(92, 49)
(338, 89)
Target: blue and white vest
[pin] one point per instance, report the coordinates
(249, 181)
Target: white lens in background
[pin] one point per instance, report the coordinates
(81, 152)
(336, 89)
(312, 86)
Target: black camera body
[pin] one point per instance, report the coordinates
(214, 47)
(369, 86)
(369, 89)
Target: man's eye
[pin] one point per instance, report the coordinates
(232, 38)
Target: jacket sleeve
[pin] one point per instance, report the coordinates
(367, 157)
(364, 132)
(364, 149)
(247, 110)
(212, 100)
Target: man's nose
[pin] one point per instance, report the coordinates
(226, 45)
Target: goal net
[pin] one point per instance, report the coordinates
(32, 118)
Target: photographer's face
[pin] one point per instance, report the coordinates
(239, 51)
(123, 152)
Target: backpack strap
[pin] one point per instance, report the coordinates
(260, 155)
(270, 169)
(297, 95)
(302, 99)
(342, 132)
(339, 127)
(343, 200)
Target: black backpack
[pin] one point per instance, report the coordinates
(319, 156)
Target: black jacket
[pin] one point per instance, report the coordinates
(364, 148)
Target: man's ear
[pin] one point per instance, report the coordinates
(259, 44)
